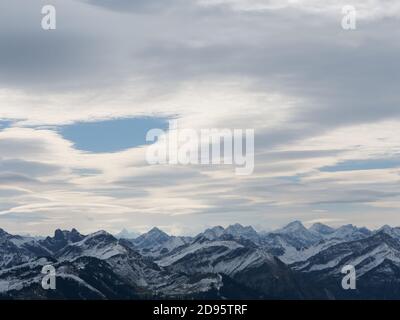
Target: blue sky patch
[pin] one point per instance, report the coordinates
(5, 124)
(111, 135)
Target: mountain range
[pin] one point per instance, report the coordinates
(236, 262)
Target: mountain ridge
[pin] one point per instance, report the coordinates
(293, 262)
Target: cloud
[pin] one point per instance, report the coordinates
(316, 95)
(29, 168)
(138, 5)
(367, 9)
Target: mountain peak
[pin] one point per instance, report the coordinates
(154, 236)
(126, 234)
(350, 231)
(239, 227)
(240, 230)
(157, 231)
(346, 229)
(393, 232)
(98, 236)
(58, 234)
(297, 235)
(72, 235)
(321, 228)
(236, 225)
(293, 226)
(385, 228)
(212, 233)
(296, 223)
(348, 226)
(98, 233)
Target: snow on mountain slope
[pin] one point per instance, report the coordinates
(101, 245)
(364, 254)
(235, 230)
(291, 243)
(291, 254)
(295, 243)
(393, 232)
(239, 260)
(150, 239)
(216, 263)
(297, 235)
(199, 244)
(130, 265)
(246, 232)
(100, 266)
(321, 229)
(156, 242)
(10, 277)
(61, 239)
(349, 233)
(125, 234)
(15, 249)
(212, 233)
(119, 254)
(84, 278)
(205, 256)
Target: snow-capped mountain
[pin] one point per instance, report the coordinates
(219, 263)
(207, 256)
(156, 242)
(321, 229)
(246, 232)
(98, 267)
(393, 232)
(241, 261)
(295, 242)
(376, 260)
(152, 238)
(125, 234)
(298, 235)
(290, 243)
(349, 233)
(235, 230)
(15, 249)
(61, 239)
(212, 233)
(364, 254)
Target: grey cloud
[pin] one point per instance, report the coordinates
(296, 155)
(9, 192)
(16, 178)
(162, 177)
(338, 78)
(29, 168)
(125, 192)
(342, 78)
(354, 196)
(22, 217)
(137, 5)
(22, 147)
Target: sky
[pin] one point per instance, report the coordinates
(76, 103)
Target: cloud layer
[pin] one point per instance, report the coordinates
(316, 95)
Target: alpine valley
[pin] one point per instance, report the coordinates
(236, 262)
